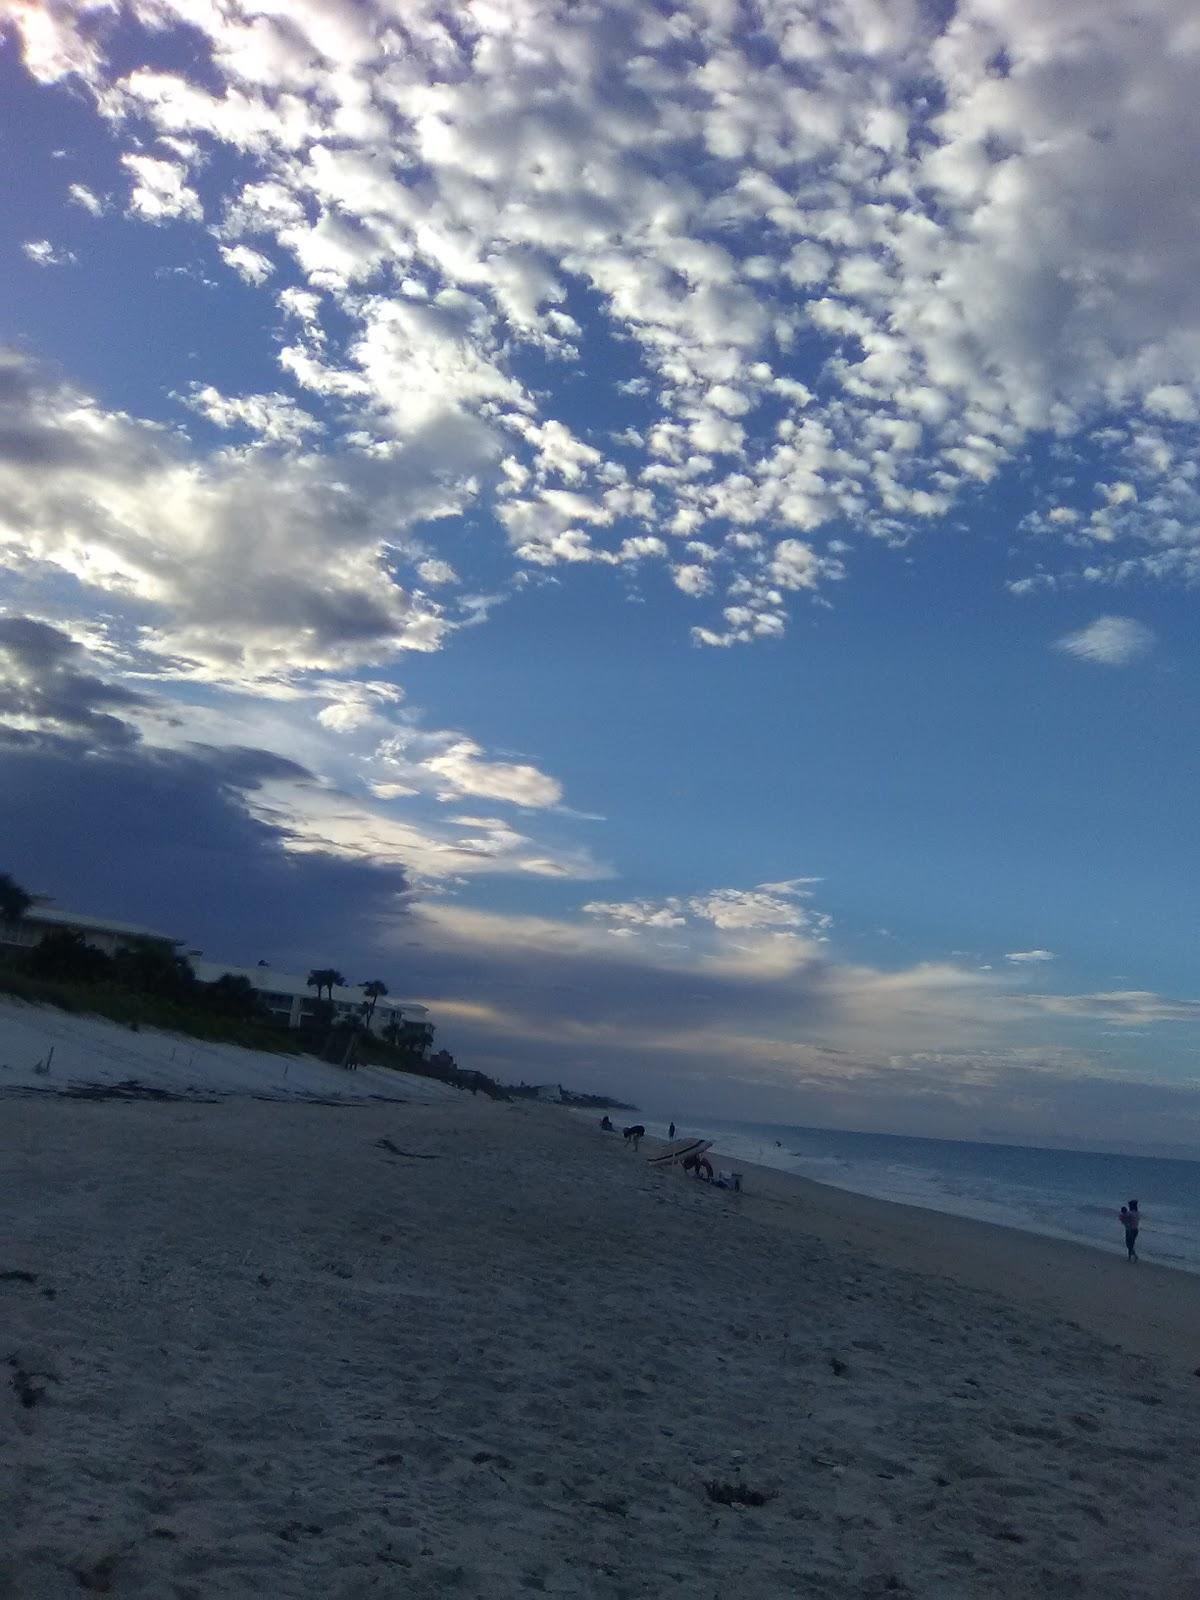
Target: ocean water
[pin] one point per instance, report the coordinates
(1068, 1194)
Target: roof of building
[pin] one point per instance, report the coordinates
(80, 920)
(271, 981)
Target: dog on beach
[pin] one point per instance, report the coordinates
(635, 1135)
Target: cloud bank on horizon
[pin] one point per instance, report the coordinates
(706, 302)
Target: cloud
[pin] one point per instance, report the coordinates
(250, 265)
(436, 573)
(104, 820)
(79, 194)
(462, 771)
(44, 687)
(1109, 641)
(774, 906)
(378, 830)
(275, 418)
(1029, 957)
(1125, 1007)
(43, 254)
(53, 701)
(236, 566)
(130, 831)
(678, 1013)
(963, 270)
(160, 191)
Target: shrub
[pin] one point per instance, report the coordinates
(233, 996)
(67, 956)
(148, 967)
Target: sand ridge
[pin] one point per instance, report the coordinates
(279, 1358)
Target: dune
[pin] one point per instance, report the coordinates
(47, 1050)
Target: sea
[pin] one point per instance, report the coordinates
(1067, 1194)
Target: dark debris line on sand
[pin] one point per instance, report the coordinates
(132, 1089)
(128, 1089)
(393, 1149)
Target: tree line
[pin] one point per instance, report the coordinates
(161, 987)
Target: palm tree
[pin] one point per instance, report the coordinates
(373, 991)
(325, 978)
(14, 901)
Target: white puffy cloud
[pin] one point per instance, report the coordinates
(1173, 401)
(435, 573)
(796, 565)
(692, 577)
(160, 190)
(275, 418)
(44, 254)
(249, 264)
(771, 907)
(79, 194)
(461, 769)
(1109, 641)
(1024, 958)
(962, 269)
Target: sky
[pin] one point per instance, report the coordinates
(667, 532)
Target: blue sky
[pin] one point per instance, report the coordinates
(667, 532)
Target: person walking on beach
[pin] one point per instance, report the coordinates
(1131, 1219)
(671, 1131)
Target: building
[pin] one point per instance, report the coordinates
(288, 997)
(101, 932)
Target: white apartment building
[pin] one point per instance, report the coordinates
(288, 997)
(101, 932)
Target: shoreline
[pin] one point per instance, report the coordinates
(1161, 1240)
(1148, 1309)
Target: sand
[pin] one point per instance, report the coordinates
(1149, 1310)
(264, 1355)
(48, 1051)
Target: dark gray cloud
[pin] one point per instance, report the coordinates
(163, 838)
(43, 680)
(105, 822)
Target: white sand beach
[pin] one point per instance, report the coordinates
(253, 1350)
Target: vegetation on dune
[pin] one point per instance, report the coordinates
(148, 983)
(139, 1010)
(14, 901)
(145, 984)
